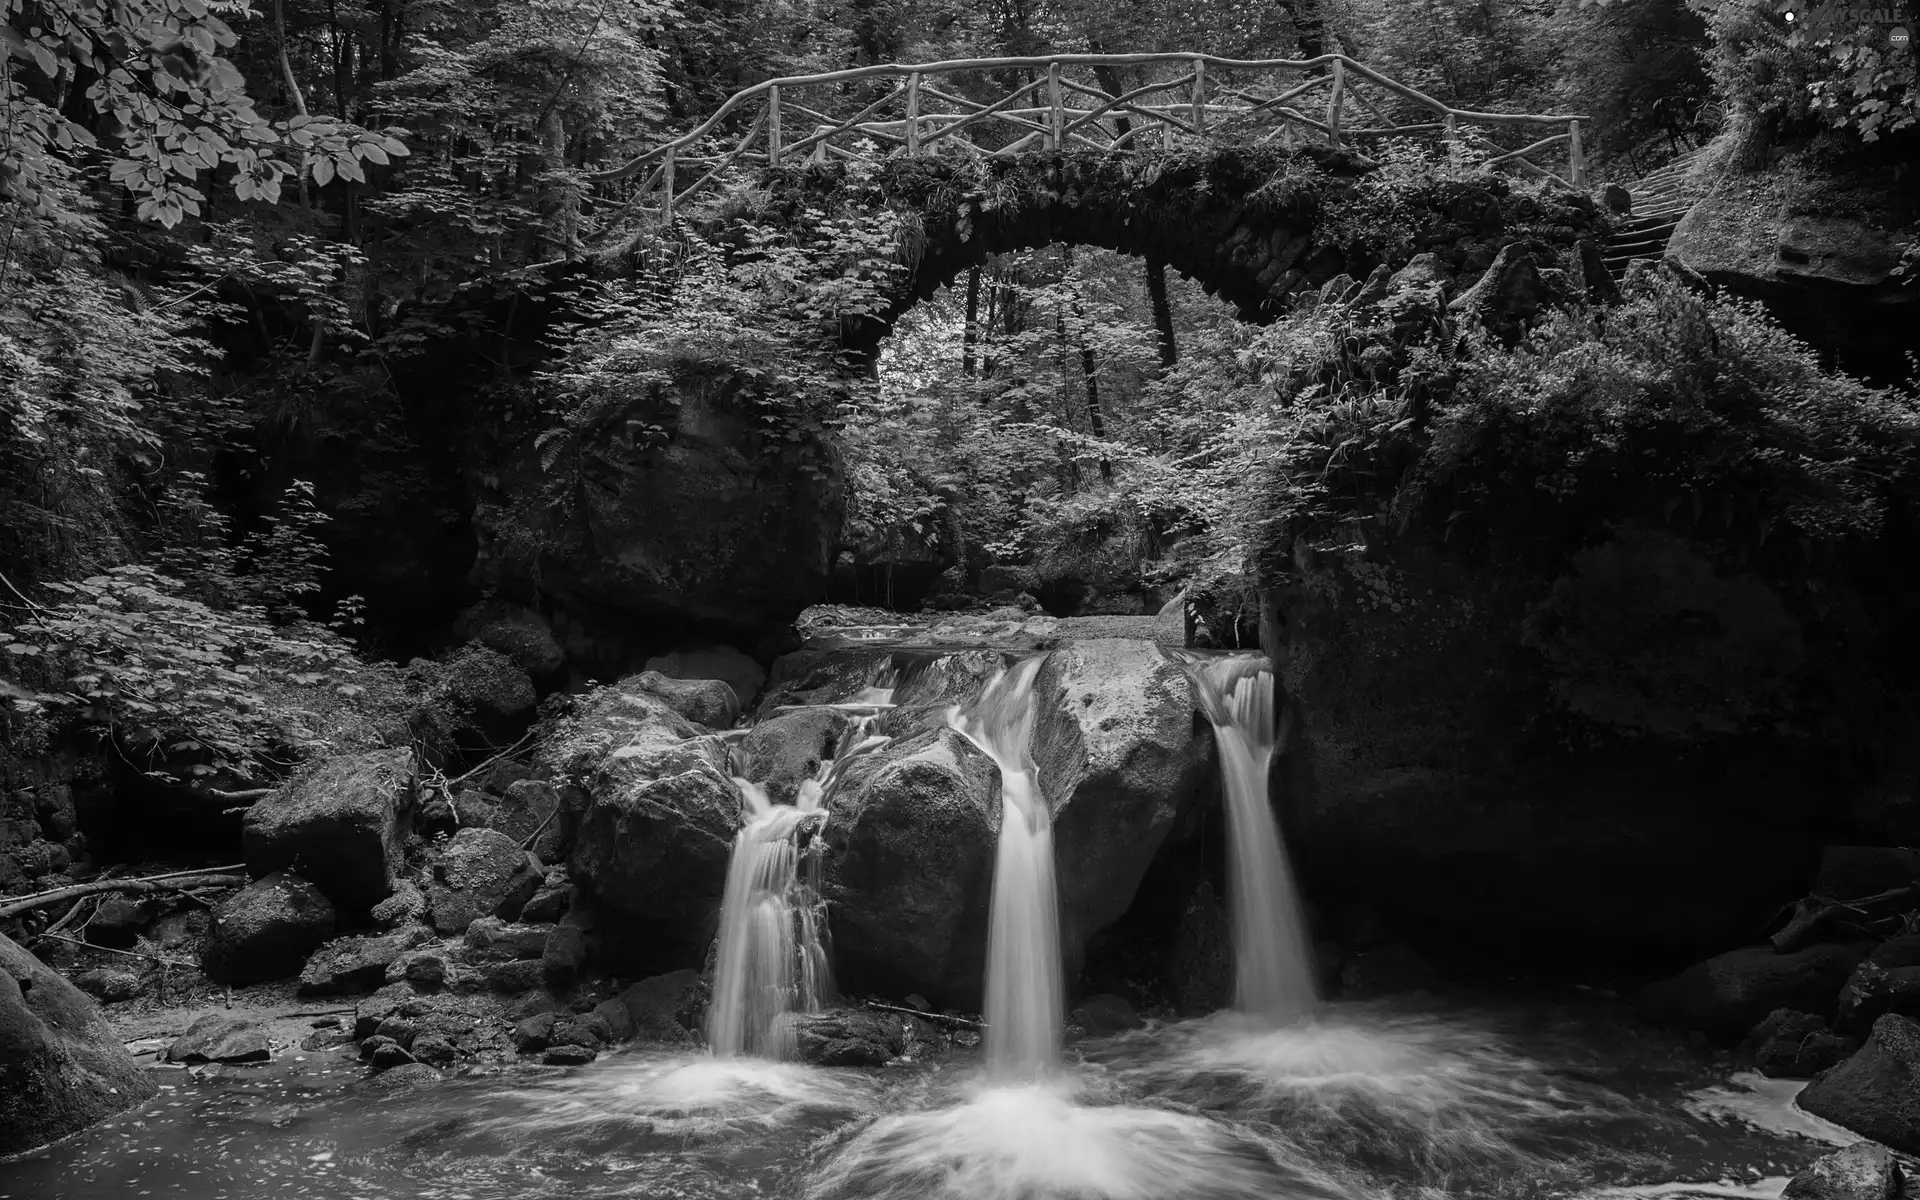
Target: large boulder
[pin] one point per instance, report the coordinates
(1827, 276)
(783, 751)
(266, 930)
(521, 634)
(1726, 996)
(222, 1037)
(848, 1039)
(479, 873)
(660, 815)
(354, 964)
(61, 1067)
(709, 702)
(338, 820)
(1121, 754)
(910, 867)
(664, 1008)
(689, 509)
(1874, 990)
(1498, 748)
(1876, 1093)
(1863, 1171)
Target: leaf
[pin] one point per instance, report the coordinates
(323, 171)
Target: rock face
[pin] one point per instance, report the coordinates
(1826, 276)
(689, 511)
(61, 1068)
(1495, 751)
(480, 873)
(847, 1039)
(1121, 754)
(910, 866)
(664, 1008)
(1876, 1093)
(519, 633)
(338, 819)
(658, 825)
(783, 751)
(1727, 995)
(266, 930)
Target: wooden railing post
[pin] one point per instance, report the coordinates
(913, 114)
(1056, 139)
(1200, 96)
(1452, 138)
(1334, 102)
(1576, 156)
(773, 126)
(666, 186)
(820, 147)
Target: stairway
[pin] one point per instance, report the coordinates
(1659, 201)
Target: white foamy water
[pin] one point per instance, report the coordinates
(1769, 1104)
(1272, 958)
(1026, 996)
(1034, 1140)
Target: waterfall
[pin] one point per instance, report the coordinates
(773, 958)
(1025, 985)
(1273, 963)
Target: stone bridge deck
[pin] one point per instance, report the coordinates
(1111, 103)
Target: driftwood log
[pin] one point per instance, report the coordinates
(178, 881)
(1813, 915)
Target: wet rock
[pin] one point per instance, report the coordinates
(480, 873)
(1201, 962)
(326, 1039)
(1727, 995)
(353, 964)
(266, 930)
(581, 1029)
(728, 664)
(1105, 1014)
(618, 1020)
(563, 956)
(521, 634)
(61, 1067)
(434, 1050)
(847, 1039)
(1850, 873)
(533, 1034)
(1862, 1171)
(550, 903)
(569, 1056)
(1120, 758)
(910, 865)
(492, 940)
(221, 1037)
(1876, 1093)
(398, 1028)
(118, 922)
(338, 818)
(709, 702)
(389, 1056)
(108, 984)
(663, 1008)
(782, 752)
(486, 683)
(518, 976)
(1793, 1045)
(1872, 991)
(403, 1078)
(427, 969)
(370, 1012)
(653, 842)
(405, 907)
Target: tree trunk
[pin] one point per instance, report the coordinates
(971, 334)
(1162, 311)
(1310, 26)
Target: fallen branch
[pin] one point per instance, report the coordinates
(965, 1022)
(538, 829)
(249, 794)
(524, 739)
(150, 884)
(320, 1012)
(1812, 914)
(155, 958)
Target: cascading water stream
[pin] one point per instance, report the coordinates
(773, 959)
(1025, 988)
(1273, 963)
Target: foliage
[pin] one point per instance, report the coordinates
(197, 692)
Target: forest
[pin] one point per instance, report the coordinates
(408, 487)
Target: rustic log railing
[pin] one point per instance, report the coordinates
(1217, 99)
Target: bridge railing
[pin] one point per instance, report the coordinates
(918, 110)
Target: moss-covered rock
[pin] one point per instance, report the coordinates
(337, 822)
